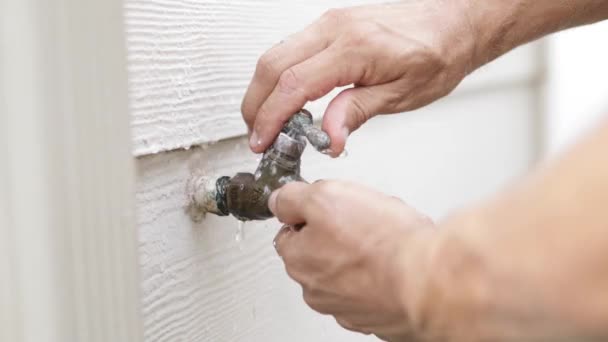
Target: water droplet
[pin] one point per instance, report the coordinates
(344, 154)
(240, 233)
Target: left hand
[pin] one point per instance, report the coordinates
(398, 57)
(360, 255)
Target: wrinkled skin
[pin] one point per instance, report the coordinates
(400, 57)
(357, 236)
(374, 263)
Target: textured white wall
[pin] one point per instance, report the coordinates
(190, 62)
(68, 250)
(199, 284)
(577, 86)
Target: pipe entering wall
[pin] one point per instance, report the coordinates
(245, 196)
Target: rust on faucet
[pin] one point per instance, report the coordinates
(245, 195)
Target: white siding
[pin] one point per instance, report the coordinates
(68, 248)
(576, 95)
(199, 284)
(190, 62)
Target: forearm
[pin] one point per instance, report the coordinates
(532, 264)
(501, 25)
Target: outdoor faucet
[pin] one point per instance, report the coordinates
(245, 195)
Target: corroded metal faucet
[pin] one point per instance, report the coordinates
(245, 195)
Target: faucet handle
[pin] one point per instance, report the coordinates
(317, 138)
(301, 124)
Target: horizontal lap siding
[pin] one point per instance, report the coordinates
(190, 63)
(199, 284)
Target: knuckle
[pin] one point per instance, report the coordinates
(292, 263)
(289, 82)
(311, 286)
(398, 97)
(335, 16)
(313, 302)
(426, 58)
(358, 111)
(267, 65)
(291, 272)
(363, 34)
(346, 324)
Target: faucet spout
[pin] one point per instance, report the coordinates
(245, 196)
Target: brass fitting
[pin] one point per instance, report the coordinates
(245, 195)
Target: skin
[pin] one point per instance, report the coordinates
(528, 264)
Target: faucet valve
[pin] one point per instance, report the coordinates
(301, 124)
(245, 195)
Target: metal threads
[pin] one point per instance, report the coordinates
(220, 195)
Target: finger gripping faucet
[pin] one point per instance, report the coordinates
(245, 196)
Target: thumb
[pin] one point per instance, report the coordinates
(351, 109)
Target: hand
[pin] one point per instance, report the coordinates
(360, 255)
(399, 57)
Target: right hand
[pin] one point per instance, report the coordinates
(399, 56)
(360, 255)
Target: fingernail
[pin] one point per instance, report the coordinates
(272, 201)
(254, 140)
(345, 132)
(328, 152)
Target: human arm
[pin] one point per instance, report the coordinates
(532, 262)
(529, 264)
(400, 56)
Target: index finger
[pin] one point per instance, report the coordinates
(296, 49)
(307, 81)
